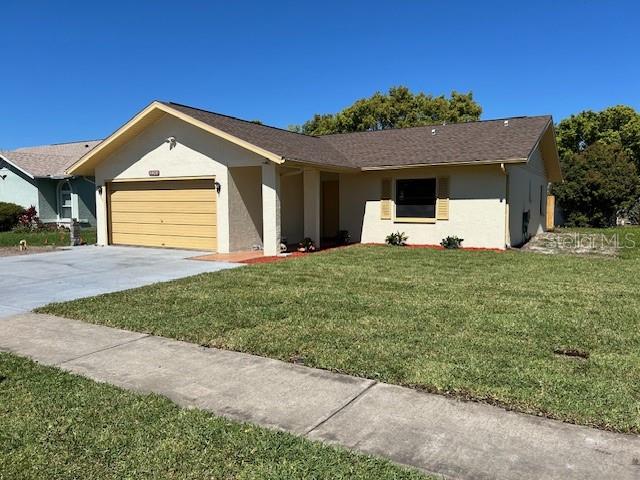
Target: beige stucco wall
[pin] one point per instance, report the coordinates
(197, 153)
(476, 210)
(245, 208)
(292, 209)
(525, 182)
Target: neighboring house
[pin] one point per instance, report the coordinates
(177, 176)
(35, 176)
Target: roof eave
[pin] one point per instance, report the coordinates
(443, 164)
(57, 176)
(321, 166)
(549, 150)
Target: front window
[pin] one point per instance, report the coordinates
(66, 205)
(416, 198)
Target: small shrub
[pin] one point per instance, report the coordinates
(9, 214)
(307, 245)
(52, 227)
(344, 237)
(451, 242)
(29, 220)
(22, 229)
(397, 239)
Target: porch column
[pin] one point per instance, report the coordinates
(270, 209)
(101, 213)
(311, 188)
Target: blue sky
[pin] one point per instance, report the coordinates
(78, 70)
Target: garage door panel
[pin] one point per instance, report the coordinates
(168, 218)
(178, 214)
(164, 207)
(202, 243)
(166, 229)
(185, 195)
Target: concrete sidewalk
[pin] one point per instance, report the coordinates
(433, 433)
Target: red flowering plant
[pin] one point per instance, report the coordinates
(29, 219)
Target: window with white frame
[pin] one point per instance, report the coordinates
(65, 201)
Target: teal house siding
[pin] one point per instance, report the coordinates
(80, 186)
(47, 210)
(85, 188)
(16, 187)
(37, 176)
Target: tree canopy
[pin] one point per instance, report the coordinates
(619, 124)
(600, 158)
(599, 182)
(398, 108)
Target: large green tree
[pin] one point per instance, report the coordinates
(600, 157)
(619, 124)
(600, 181)
(397, 108)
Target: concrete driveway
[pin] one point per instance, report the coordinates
(30, 281)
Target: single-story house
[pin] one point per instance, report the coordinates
(35, 176)
(178, 176)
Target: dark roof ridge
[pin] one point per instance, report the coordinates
(239, 119)
(57, 144)
(35, 154)
(439, 124)
(479, 141)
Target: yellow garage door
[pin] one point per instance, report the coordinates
(163, 213)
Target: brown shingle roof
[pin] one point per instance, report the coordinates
(471, 142)
(481, 141)
(48, 160)
(290, 145)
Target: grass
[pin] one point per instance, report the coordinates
(57, 425)
(478, 325)
(44, 238)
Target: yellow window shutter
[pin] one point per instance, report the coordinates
(385, 199)
(442, 204)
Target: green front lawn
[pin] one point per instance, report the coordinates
(44, 238)
(54, 425)
(479, 325)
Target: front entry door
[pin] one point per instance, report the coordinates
(330, 209)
